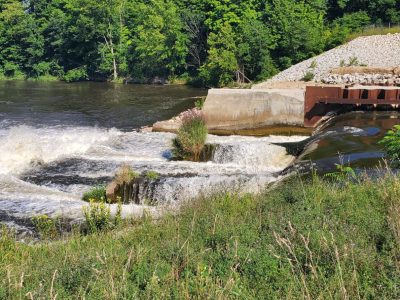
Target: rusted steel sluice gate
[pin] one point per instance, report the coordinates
(321, 100)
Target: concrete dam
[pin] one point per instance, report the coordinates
(241, 109)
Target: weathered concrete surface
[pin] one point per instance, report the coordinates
(235, 109)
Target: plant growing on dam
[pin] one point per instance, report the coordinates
(191, 136)
(125, 174)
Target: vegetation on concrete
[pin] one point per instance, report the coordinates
(191, 136)
(209, 42)
(125, 174)
(307, 239)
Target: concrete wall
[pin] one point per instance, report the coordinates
(235, 109)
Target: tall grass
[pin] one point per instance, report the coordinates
(373, 31)
(307, 239)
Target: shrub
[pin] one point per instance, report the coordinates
(191, 136)
(200, 103)
(45, 226)
(391, 144)
(78, 74)
(97, 194)
(308, 76)
(98, 217)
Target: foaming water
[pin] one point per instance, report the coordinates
(46, 170)
(22, 146)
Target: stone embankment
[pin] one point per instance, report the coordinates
(364, 76)
(372, 51)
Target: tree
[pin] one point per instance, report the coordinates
(221, 64)
(21, 45)
(159, 45)
(298, 28)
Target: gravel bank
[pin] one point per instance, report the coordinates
(373, 51)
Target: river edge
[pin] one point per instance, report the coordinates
(320, 219)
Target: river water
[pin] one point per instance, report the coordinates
(58, 140)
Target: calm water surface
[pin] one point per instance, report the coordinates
(92, 104)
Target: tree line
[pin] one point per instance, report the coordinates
(206, 42)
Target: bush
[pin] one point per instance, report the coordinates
(78, 74)
(200, 103)
(191, 136)
(391, 144)
(97, 194)
(45, 226)
(98, 217)
(308, 76)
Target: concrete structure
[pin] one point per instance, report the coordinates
(236, 109)
(323, 99)
(266, 111)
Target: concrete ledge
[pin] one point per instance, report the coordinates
(236, 109)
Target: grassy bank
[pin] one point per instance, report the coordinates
(306, 239)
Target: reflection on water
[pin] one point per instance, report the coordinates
(91, 103)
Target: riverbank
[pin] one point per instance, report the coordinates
(307, 239)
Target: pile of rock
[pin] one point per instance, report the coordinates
(362, 79)
(373, 51)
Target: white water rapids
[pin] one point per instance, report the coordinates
(46, 170)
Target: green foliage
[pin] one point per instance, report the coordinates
(96, 194)
(191, 137)
(307, 239)
(308, 76)
(200, 103)
(98, 217)
(208, 42)
(152, 175)
(46, 227)
(78, 74)
(391, 144)
(343, 173)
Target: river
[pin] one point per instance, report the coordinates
(58, 140)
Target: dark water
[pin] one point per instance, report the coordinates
(351, 139)
(92, 104)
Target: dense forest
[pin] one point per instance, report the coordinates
(208, 42)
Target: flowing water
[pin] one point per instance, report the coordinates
(58, 140)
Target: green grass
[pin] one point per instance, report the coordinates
(373, 31)
(313, 239)
(97, 194)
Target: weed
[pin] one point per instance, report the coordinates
(46, 227)
(98, 217)
(391, 144)
(200, 103)
(308, 76)
(125, 174)
(191, 136)
(152, 175)
(97, 194)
